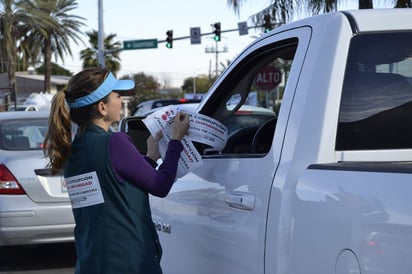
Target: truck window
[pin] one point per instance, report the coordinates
(376, 104)
(253, 98)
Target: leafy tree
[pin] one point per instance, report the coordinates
(90, 55)
(146, 88)
(202, 84)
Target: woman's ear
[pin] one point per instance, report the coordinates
(101, 108)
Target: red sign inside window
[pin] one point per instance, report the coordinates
(268, 78)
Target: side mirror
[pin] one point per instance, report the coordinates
(136, 129)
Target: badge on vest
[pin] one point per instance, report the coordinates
(84, 190)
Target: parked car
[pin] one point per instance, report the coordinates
(144, 107)
(22, 108)
(34, 205)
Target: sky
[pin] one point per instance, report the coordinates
(136, 20)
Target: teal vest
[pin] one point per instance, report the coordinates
(117, 236)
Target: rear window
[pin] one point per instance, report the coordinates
(376, 104)
(144, 107)
(22, 134)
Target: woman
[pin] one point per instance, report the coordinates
(107, 178)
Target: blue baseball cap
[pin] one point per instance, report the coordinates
(110, 84)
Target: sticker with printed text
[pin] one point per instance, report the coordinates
(202, 129)
(84, 190)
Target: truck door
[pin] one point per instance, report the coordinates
(214, 218)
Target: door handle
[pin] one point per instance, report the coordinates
(241, 200)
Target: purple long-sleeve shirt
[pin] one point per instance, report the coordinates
(131, 166)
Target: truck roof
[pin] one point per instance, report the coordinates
(360, 20)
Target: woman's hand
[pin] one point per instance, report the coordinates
(180, 126)
(153, 146)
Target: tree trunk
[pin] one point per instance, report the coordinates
(12, 74)
(11, 58)
(47, 65)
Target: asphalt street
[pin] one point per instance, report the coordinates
(39, 259)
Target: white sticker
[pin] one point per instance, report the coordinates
(202, 129)
(84, 190)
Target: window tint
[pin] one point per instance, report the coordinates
(27, 134)
(253, 97)
(376, 105)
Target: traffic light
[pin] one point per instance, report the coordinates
(267, 25)
(169, 39)
(216, 32)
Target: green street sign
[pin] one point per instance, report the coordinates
(140, 44)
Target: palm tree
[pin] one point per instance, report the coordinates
(14, 20)
(403, 4)
(54, 37)
(223, 65)
(282, 11)
(111, 54)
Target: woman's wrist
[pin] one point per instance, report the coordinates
(152, 157)
(152, 162)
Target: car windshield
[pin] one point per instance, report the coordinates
(22, 134)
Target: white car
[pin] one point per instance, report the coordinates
(23, 108)
(34, 205)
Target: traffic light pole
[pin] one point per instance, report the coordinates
(204, 34)
(152, 43)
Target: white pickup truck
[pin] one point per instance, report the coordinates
(322, 187)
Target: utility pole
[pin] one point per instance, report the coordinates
(194, 84)
(100, 36)
(216, 51)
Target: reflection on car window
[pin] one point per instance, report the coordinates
(376, 104)
(27, 134)
(254, 96)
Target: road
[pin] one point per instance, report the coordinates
(40, 259)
